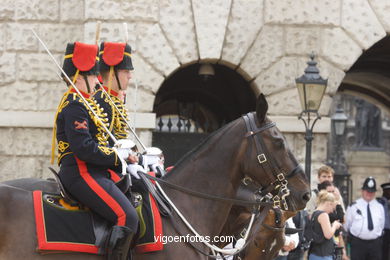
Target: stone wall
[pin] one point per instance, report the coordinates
(267, 41)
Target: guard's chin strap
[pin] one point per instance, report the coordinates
(110, 79)
(117, 79)
(87, 83)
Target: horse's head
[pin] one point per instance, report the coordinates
(270, 162)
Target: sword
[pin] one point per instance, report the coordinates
(136, 88)
(124, 165)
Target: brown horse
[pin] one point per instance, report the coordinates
(268, 237)
(215, 167)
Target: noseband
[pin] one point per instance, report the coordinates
(267, 162)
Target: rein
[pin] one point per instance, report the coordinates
(205, 196)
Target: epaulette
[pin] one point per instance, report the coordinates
(381, 200)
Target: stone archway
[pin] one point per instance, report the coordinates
(194, 101)
(369, 77)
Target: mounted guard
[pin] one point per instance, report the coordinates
(85, 156)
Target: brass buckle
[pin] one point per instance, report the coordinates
(280, 177)
(242, 233)
(246, 180)
(261, 158)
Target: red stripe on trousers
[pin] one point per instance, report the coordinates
(114, 176)
(102, 193)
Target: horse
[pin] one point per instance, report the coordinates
(268, 237)
(215, 168)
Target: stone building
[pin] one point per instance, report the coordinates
(261, 45)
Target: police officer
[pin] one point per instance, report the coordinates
(365, 222)
(84, 155)
(384, 200)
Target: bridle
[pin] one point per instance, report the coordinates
(279, 226)
(268, 163)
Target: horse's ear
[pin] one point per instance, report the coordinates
(261, 108)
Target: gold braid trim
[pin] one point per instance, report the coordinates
(106, 150)
(62, 146)
(120, 127)
(101, 136)
(61, 106)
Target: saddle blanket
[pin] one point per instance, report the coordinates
(149, 219)
(64, 228)
(60, 229)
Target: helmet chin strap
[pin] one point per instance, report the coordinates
(117, 79)
(87, 83)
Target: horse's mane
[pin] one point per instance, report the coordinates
(202, 144)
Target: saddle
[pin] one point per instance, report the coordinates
(63, 224)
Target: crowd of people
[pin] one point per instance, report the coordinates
(329, 230)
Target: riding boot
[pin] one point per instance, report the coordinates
(119, 243)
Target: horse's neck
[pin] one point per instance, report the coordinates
(212, 169)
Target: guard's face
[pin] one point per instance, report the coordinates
(368, 196)
(92, 81)
(124, 78)
(325, 176)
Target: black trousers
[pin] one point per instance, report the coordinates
(94, 188)
(365, 249)
(386, 245)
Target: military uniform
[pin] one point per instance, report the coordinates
(114, 57)
(365, 221)
(84, 156)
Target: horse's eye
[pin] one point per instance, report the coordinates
(279, 143)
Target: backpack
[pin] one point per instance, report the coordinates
(309, 232)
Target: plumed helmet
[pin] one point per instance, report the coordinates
(117, 54)
(82, 57)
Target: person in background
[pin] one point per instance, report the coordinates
(365, 222)
(384, 200)
(325, 173)
(290, 243)
(298, 253)
(337, 214)
(324, 250)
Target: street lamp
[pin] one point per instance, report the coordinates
(311, 88)
(337, 161)
(339, 121)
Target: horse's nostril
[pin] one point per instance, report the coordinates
(306, 196)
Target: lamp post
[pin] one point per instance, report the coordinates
(337, 159)
(311, 88)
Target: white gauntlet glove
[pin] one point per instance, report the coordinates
(134, 168)
(123, 153)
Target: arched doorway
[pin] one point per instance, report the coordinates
(364, 96)
(195, 101)
(369, 77)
